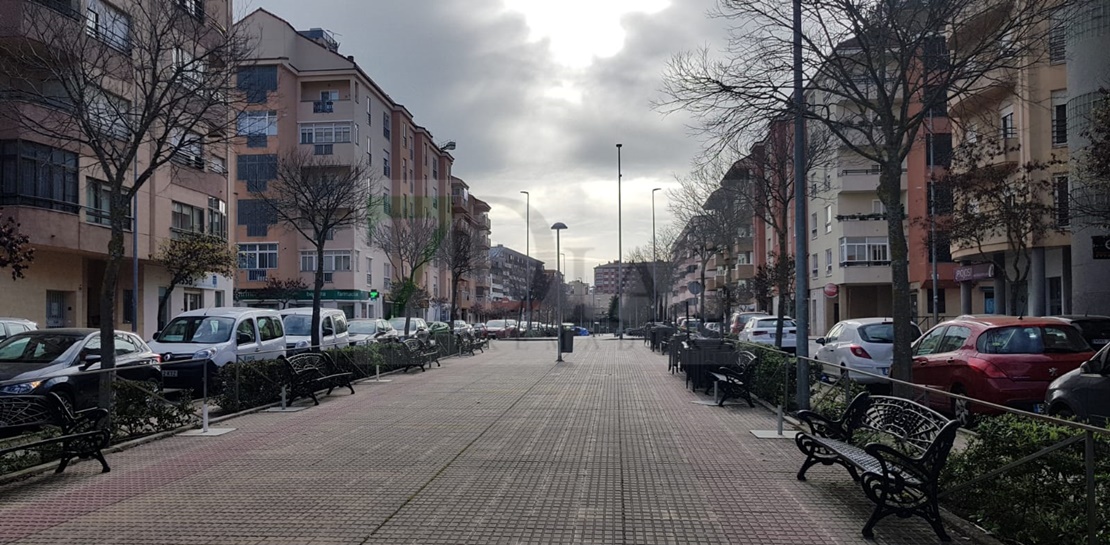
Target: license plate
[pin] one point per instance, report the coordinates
(1101, 341)
(169, 373)
(885, 370)
(1038, 408)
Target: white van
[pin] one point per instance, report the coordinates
(218, 335)
(298, 329)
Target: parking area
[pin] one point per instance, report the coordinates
(502, 447)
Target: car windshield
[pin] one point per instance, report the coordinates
(399, 323)
(362, 328)
(761, 324)
(877, 333)
(197, 329)
(495, 323)
(42, 347)
(1032, 340)
(297, 325)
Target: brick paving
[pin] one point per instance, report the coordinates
(505, 447)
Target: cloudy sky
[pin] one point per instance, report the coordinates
(537, 94)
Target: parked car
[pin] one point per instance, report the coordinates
(500, 329)
(740, 319)
(439, 328)
(56, 360)
(860, 344)
(479, 330)
(368, 330)
(763, 330)
(691, 325)
(1006, 360)
(417, 327)
(1083, 393)
(218, 336)
(11, 326)
(711, 329)
(298, 329)
(460, 327)
(1095, 329)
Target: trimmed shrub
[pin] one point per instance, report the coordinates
(1039, 502)
(767, 381)
(359, 360)
(247, 384)
(138, 410)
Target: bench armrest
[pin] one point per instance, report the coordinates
(898, 465)
(823, 427)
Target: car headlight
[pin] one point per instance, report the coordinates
(301, 344)
(25, 388)
(205, 354)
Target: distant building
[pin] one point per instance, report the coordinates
(510, 272)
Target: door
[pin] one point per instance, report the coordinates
(949, 364)
(924, 362)
(193, 300)
(246, 340)
(827, 352)
(1093, 389)
(327, 333)
(272, 337)
(56, 309)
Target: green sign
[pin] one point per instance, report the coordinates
(373, 295)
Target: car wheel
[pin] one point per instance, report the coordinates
(67, 399)
(1062, 411)
(961, 409)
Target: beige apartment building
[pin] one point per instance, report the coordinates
(302, 93)
(471, 216)
(51, 189)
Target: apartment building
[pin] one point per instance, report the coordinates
(52, 188)
(471, 216)
(303, 94)
(1026, 111)
(606, 274)
(510, 273)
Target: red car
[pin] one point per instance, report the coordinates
(1005, 360)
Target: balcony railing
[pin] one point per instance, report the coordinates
(256, 275)
(69, 8)
(323, 107)
(323, 149)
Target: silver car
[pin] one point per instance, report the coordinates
(1083, 393)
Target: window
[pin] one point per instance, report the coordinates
(35, 175)
(828, 262)
(929, 343)
(109, 113)
(193, 300)
(813, 225)
(244, 333)
(940, 306)
(256, 170)
(325, 133)
(864, 251)
(258, 256)
(269, 328)
(217, 218)
(308, 261)
(190, 68)
(938, 149)
(1007, 124)
(828, 218)
(369, 152)
(813, 265)
(255, 82)
(877, 207)
(128, 306)
(935, 99)
(1062, 200)
(109, 25)
(954, 337)
(387, 203)
(97, 204)
(330, 95)
(1057, 38)
(217, 165)
(337, 260)
(193, 7)
(385, 125)
(258, 123)
(188, 149)
(1059, 118)
(256, 215)
(385, 164)
(219, 298)
(187, 219)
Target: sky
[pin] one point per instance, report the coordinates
(536, 94)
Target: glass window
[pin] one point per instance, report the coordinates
(256, 81)
(929, 343)
(35, 175)
(269, 328)
(954, 338)
(259, 122)
(325, 133)
(187, 219)
(258, 256)
(1059, 118)
(197, 329)
(337, 260)
(246, 328)
(1032, 340)
(125, 345)
(98, 198)
(217, 217)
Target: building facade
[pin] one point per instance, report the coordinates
(510, 273)
(471, 217)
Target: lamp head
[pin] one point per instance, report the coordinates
(619, 145)
(559, 226)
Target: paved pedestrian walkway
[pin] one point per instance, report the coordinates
(503, 447)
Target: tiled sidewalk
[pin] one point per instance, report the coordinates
(503, 447)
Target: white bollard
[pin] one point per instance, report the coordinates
(377, 372)
(204, 417)
(283, 397)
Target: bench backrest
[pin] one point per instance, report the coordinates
(916, 427)
(21, 413)
(308, 361)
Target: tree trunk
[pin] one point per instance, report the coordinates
(108, 288)
(782, 278)
(890, 184)
(317, 293)
(454, 298)
(162, 302)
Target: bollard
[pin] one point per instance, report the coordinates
(283, 402)
(204, 404)
(780, 419)
(377, 371)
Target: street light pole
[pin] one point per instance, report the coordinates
(558, 228)
(654, 262)
(620, 256)
(801, 252)
(528, 254)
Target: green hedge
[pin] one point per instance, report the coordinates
(1039, 502)
(770, 366)
(138, 410)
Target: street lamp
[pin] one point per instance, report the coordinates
(527, 253)
(558, 227)
(564, 256)
(620, 256)
(654, 262)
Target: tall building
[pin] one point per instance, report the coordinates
(471, 216)
(605, 276)
(303, 94)
(510, 273)
(52, 189)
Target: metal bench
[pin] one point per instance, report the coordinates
(906, 446)
(421, 353)
(734, 381)
(313, 371)
(83, 434)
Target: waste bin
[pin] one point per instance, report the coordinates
(566, 340)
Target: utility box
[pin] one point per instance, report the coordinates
(566, 340)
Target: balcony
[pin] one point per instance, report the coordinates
(991, 87)
(322, 107)
(319, 110)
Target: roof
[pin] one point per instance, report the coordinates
(223, 311)
(69, 331)
(999, 320)
(305, 310)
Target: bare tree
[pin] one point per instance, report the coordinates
(317, 195)
(1000, 205)
(411, 244)
(129, 97)
(877, 69)
(462, 255)
(191, 257)
(657, 270)
(15, 251)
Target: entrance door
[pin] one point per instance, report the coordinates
(55, 309)
(194, 300)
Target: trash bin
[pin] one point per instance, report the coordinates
(566, 340)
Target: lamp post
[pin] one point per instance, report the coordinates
(558, 227)
(654, 263)
(620, 256)
(528, 254)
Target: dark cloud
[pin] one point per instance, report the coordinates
(468, 71)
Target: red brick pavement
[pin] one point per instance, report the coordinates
(503, 447)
